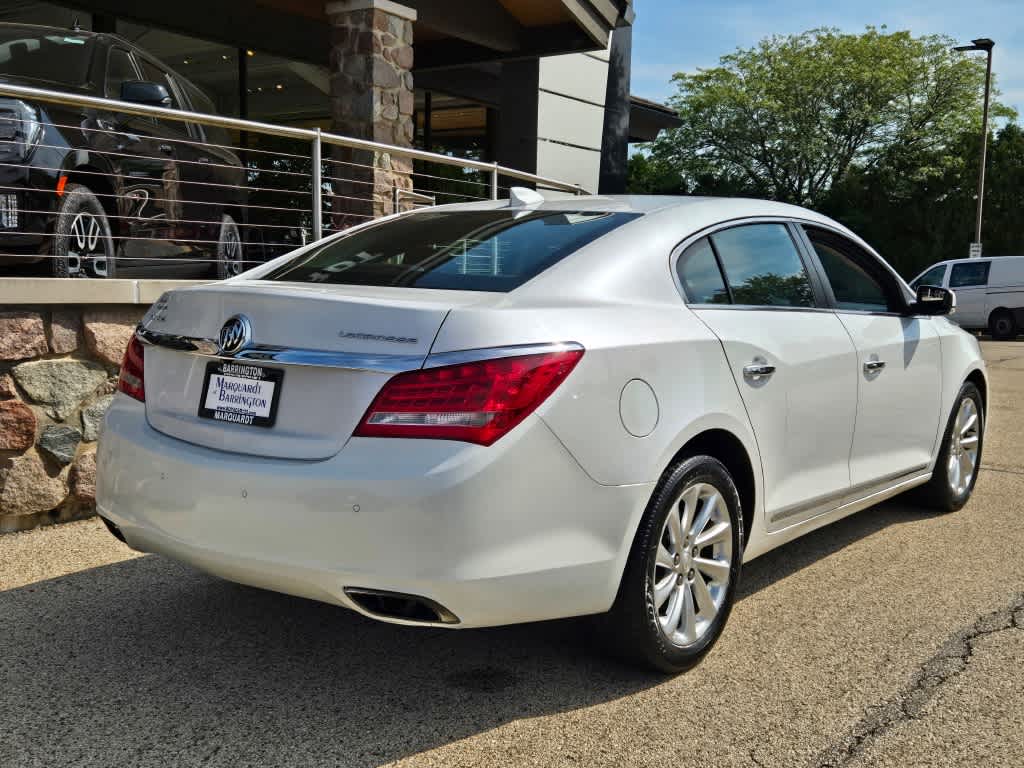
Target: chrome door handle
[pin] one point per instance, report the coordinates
(873, 366)
(755, 371)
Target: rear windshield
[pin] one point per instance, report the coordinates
(44, 54)
(458, 250)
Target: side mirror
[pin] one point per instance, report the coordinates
(933, 300)
(142, 92)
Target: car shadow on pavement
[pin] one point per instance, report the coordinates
(146, 662)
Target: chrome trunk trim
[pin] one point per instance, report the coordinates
(351, 361)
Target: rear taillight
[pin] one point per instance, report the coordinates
(475, 402)
(132, 380)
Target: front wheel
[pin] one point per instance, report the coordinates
(956, 469)
(82, 242)
(683, 569)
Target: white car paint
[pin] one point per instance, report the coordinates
(539, 524)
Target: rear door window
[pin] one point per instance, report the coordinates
(969, 274)
(495, 250)
(700, 275)
(763, 267)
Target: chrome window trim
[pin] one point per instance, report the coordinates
(743, 221)
(350, 361)
(760, 308)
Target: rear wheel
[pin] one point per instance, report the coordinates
(1002, 325)
(956, 469)
(82, 242)
(230, 258)
(681, 576)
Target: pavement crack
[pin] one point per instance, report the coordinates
(1003, 470)
(949, 661)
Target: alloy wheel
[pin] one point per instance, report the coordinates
(231, 251)
(963, 447)
(691, 573)
(86, 247)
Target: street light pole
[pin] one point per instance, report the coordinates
(981, 44)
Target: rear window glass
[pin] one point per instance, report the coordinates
(457, 250)
(53, 56)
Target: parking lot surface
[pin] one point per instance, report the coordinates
(894, 637)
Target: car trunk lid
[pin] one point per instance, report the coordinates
(327, 351)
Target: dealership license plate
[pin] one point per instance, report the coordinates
(241, 394)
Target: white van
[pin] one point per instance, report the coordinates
(989, 292)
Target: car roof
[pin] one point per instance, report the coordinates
(725, 207)
(104, 38)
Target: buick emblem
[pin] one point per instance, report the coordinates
(235, 335)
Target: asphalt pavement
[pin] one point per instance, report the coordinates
(892, 638)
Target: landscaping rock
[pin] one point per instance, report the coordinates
(65, 325)
(59, 385)
(22, 335)
(83, 477)
(92, 418)
(17, 426)
(7, 388)
(60, 443)
(28, 488)
(107, 333)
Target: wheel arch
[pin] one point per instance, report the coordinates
(99, 182)
(977, 378)
(725, 446)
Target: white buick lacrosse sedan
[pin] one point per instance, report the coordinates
(509, 411)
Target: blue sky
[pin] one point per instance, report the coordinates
(670, 36)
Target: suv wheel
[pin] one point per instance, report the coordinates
(1002, 325)
(682, 572)
(956, 469)
(230, 255)
(82, 243)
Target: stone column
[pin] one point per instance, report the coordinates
(371, 98)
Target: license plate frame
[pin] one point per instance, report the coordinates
(240, 413)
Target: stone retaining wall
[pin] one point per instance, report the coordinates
(58, 372)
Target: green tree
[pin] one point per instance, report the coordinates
(790, 118)
(919, 210)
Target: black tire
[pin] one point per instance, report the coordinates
(938, 493)
(632, 628)
(230, 252)
(82, 242)
(1002, 325)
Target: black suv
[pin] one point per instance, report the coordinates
(97, 193)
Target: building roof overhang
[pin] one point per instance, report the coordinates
(444, 34)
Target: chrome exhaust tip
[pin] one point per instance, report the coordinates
(397, 605)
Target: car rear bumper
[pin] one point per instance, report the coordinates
(511, 533)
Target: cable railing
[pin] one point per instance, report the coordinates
(98, 187)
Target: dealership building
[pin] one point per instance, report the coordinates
(537, 85)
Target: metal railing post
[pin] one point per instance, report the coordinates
(318, 189)
(494, 182)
